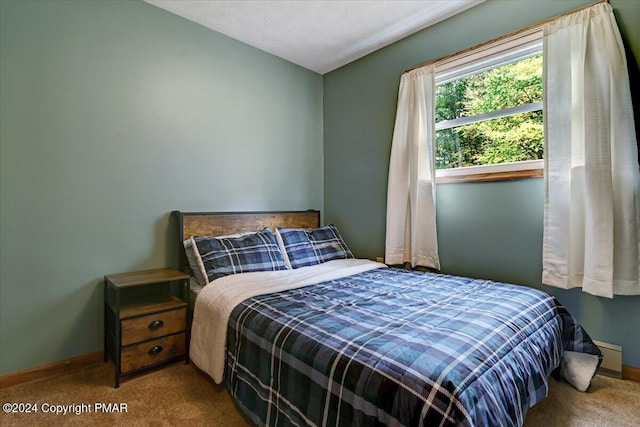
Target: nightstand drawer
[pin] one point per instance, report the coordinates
(153, 325)
(152, 352)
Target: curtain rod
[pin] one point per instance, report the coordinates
(512, 34)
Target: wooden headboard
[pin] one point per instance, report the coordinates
(222, 223)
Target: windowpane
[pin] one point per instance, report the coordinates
(503, 140)
(494, 129)
(502, 87)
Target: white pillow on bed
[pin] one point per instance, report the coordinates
(193, 262)
(283, 250)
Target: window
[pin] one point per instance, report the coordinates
(489, 121)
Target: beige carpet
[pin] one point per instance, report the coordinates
(180, 395)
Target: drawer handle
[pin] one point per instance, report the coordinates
(155, 349)
(156, 324)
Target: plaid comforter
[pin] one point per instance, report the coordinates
(396, 347)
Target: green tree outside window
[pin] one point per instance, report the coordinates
(511, 138)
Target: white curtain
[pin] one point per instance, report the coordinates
(592, 178)
(411, 209)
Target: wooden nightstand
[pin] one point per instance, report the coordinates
(145, 319)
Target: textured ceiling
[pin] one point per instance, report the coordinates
(318, 35)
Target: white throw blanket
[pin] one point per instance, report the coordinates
(216, 301)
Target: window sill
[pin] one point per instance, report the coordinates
(501, 172)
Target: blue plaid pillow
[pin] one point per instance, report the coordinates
(313, 246)
(222, 256)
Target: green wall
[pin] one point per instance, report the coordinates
(489, 230)
(112, 114)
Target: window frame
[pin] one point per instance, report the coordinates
(509, 49)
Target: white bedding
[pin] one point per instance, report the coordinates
(216, 301)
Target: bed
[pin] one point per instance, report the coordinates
(330, 339)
